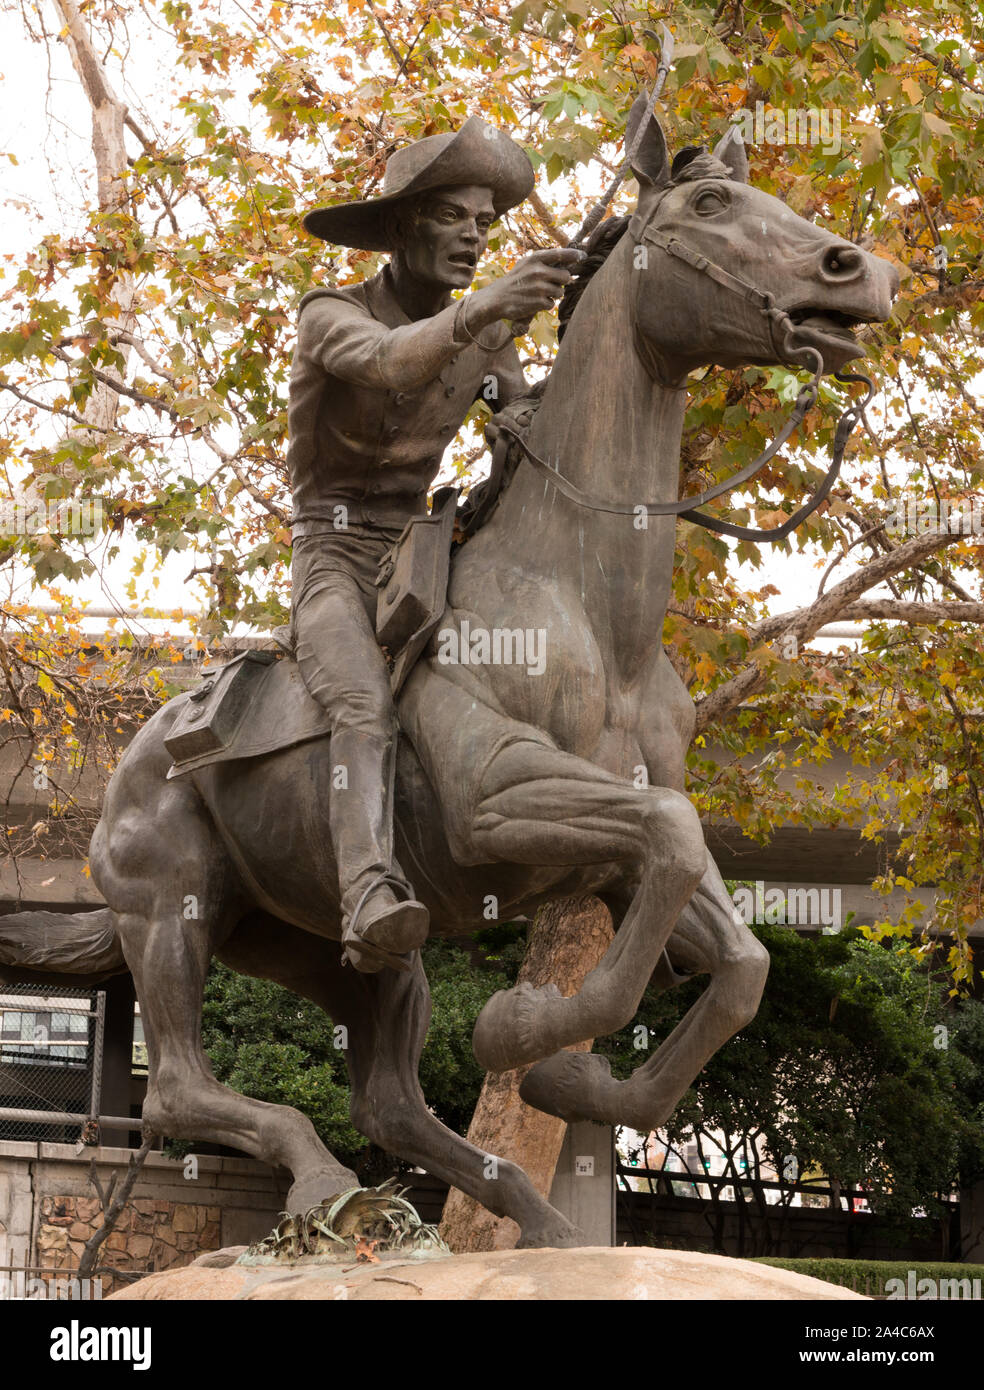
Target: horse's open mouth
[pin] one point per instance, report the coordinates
(827, 322)
(830, 332)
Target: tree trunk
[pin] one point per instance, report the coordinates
(108, 147)
(566, 942)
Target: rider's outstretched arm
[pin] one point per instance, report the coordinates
(350, 344)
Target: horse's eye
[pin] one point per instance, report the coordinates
(708, 202)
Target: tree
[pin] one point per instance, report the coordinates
(854, 1069)
(566, 941)
(144, 360)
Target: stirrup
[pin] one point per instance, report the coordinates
(355, 951)
(353, 944)
(399, 885)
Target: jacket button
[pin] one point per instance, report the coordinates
(384, 463)
(400, 398)
(376, 489)
(449, 391)
(370, 515)
(393, 431)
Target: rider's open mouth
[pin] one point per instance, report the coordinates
(466, 259)
(826, 321)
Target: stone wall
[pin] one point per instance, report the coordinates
(49, 1208)
(150, 1233)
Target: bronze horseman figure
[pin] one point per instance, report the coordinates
(515, 782)
(383, 376)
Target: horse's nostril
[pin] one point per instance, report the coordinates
(841, 261)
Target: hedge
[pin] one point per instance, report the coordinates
(870, 1276)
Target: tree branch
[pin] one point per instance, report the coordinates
(902, 611)
(109, 148)
(807, 622)
(546, 219)
(112, 1201)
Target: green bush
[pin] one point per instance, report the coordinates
(841, 1070)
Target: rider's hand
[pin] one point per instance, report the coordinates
(530, 287)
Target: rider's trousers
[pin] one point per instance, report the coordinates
(342, 666)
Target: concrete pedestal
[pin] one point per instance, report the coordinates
(584, 1183)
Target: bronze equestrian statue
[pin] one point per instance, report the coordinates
(510, 785)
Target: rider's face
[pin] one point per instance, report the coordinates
(443, 241)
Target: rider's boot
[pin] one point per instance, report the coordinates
(381, 920)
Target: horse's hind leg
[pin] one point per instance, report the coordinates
(386, 1017)
(708, 938)
(169, 961)
(172, 888)
(542, 806)
(389, 1106)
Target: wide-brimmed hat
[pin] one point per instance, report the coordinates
(476, 154)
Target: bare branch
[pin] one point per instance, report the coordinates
(546, 219)
(902, 611)
(112, 1201)
(807, 622)
(109, 148)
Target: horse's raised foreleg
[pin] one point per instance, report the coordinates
(386, 1017)
(542, 806)
(708, 938)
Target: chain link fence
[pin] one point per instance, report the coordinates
(51, 1048)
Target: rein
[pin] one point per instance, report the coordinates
(779, 324)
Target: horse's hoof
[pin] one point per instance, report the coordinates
(573, 1086)
(314, 1188)
(555, 1233)
(517, 1026)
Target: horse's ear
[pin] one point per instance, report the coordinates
(650, 162)
(730, 150)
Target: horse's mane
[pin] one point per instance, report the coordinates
(692, 163)
(600, 245)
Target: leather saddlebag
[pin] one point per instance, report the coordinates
(413, 579)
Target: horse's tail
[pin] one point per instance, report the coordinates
(67, 943)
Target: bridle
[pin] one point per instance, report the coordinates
(781, 330)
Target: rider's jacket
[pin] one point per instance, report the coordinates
(376, 398)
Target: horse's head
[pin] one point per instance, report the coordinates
(698, 217)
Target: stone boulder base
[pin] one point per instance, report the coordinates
(507, 1275)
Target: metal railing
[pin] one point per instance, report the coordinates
(51, 1062)
(35, 1283)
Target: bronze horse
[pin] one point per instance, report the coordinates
(522, 787)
